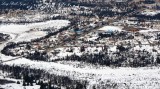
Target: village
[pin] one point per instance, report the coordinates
(76, 35)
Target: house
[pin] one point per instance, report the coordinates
(109, 29)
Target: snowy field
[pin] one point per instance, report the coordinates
(12, 84)
(28, 36)
(134, 78)
(18, 86)
(31, 31)
(17, 29)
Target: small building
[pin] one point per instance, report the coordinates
(109, 29)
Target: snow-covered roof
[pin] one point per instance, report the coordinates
(110, 28)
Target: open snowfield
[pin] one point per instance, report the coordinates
(18, 86)
(31, 31)
(28, 36)
(12, 84)
(134, 78)
(17, 29)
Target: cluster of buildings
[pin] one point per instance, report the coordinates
(121, 24)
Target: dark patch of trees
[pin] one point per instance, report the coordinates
(42, 56)
(105, 35)
(122, 57)
(3, 81)
(148, 17)
(42, 78)
(4, 37)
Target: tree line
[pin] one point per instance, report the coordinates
(42, 78)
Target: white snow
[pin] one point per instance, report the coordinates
(131, 76)
(29, 36)
(135, 78)
(150, 13)
(31, 31)
(18, 86)
(16, 28)
(13, 28)
(110, 28)
(3, 76)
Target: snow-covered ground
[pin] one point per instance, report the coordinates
(18, 86)
(13, 84)
(134, 78)
(125, 77)
(16, 28)
(27, 32)
(28, 36)
(76, 50)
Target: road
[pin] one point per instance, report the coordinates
(11, 59)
